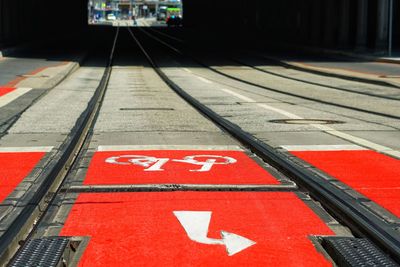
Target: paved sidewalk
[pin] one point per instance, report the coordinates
(41, 71)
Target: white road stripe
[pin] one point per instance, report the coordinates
(187, 70)
(167, 147)
(280, 111)
(327, 129)
(204, 80)
(8, 98)
(242, 97)
(25, 149)
(264, 106)
(249, 100)
(322, 147)
(360, 141)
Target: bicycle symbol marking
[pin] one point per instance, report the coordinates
(152, 164)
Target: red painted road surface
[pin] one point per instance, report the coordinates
(173, 166)
(14, 167)
(6, 90)
(372, 174)
(141, 229)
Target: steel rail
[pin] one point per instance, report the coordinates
(357, 217)
(329, 74)
(179, 52)
(317, 72)
(315, 83)
(281, 63)
(56, 171)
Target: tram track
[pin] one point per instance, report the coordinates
(56, 171)
(330, 74)
(322, 108)
(182, 53)
(315, 83)
(353, 214)
(288, 66)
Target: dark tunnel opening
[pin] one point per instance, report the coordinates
(118, 85)
(345, 24)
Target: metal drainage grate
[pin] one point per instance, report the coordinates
(306, 121)
(46, 252)
(350, 251)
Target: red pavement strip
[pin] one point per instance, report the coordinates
(153, 229)
(372, 174)
(176, 166)
(6, 90)
(14, 167)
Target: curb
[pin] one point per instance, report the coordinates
(340, 53)
(327, 73)
(60, 77)
(355, 55)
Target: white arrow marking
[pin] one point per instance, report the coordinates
(196, 224)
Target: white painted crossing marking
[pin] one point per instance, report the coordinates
(25, 149)
(327, 129)
(323, 147)
(196, 224)
(167, 147)
(8, 98)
